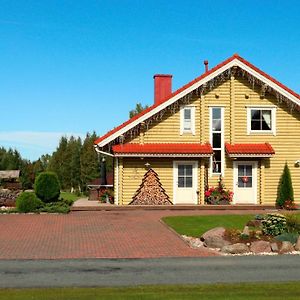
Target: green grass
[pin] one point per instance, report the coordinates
(69, 196)
(254, 291)
(197, 225)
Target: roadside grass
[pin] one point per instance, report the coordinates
(197, 225)
(261, 291)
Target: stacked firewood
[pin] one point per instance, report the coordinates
(150, 191)
(8, 197)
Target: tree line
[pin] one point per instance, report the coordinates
(75, 162)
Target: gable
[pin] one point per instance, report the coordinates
(195, 89)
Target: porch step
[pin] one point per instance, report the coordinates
(110, 207)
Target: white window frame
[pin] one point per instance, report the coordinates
(222, 139)
(273, 119)
(192, 130)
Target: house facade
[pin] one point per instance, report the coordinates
(233, 121)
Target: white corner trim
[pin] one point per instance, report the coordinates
(116, 188)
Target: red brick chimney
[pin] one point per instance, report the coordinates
(162, 87)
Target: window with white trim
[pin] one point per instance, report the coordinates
(261, 120)
(187, 120)
(217, 139)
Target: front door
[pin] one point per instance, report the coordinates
(245, 182)
(185, 182)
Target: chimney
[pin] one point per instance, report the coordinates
(162, 87)
(206, 66)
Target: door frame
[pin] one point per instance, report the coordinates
(254, 164)
(195, 177)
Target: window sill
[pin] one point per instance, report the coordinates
(261, 132)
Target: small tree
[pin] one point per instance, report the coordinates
(46, 187)
(285, 188)
(28, 202)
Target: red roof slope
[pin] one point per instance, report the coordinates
(164, 148)
(252, 149)
(235, 56)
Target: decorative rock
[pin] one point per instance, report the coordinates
(193, 242)
(274, 247)
(238, 248)
(215, 242)
(246, 231)
(260, 247)
(297, 246)
(218, 231)
(286, 247)
(254, 223)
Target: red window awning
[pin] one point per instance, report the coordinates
(164, 150)
(249, 150)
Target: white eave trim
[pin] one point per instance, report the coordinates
(249, 155)
(234, 62)
(160, 155)
(268, 82)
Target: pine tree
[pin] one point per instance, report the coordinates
(285, 187)
(89, 164)
(151, 191)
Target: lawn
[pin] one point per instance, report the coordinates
(197, 225)
(254, 291)
(69, 196)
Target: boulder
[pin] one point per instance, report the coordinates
(217, 231)
(260, 247)
(238, 248)
(246, 231)
(215, 242)
(297, 246)
(274, 247)
(286, 247)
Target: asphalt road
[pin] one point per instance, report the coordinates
(128, 272)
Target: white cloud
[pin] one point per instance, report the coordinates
(32, 144)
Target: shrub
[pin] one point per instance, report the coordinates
(288, 236)
(218, 195)
(285, 188)
(274, 224)
(292, 223)
(28, 202)
(56, 207)
(47, 187)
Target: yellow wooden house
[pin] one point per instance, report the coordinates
(234, 120)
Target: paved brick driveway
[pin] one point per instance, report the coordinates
(100, 234)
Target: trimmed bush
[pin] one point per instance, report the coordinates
(274, 224)
(288, 237)
(28, 202)
(56, 207)
(285, 188)
(46, 187)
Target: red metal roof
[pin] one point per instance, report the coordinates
(251, 149)
(235, 56)
(163, 148)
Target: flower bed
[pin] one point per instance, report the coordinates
(218, 195)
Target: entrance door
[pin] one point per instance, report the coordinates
(185, 182)
(245, 182)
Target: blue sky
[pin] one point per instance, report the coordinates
(69, 67)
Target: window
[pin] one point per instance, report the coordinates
(187, 120)
(245, 176)
(185, 176)
(217, 139)
(261, 120)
